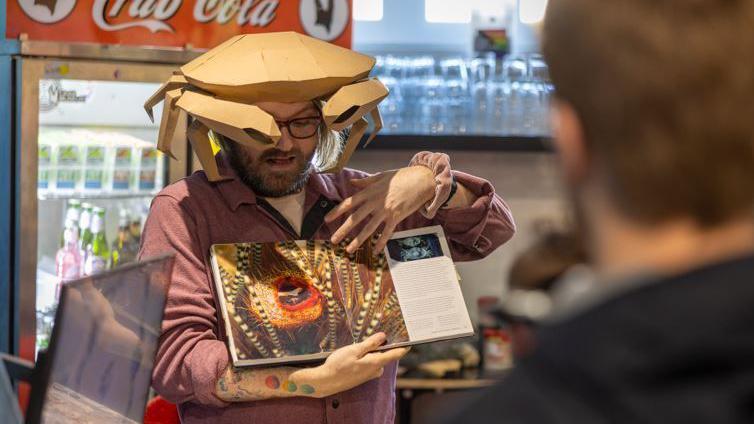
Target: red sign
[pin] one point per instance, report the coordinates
(197, 23)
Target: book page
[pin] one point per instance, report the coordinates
(280, 301)
(300, 300)
(426, 283)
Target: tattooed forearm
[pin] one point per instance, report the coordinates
(258, 384)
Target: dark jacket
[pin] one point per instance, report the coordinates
(673, 350)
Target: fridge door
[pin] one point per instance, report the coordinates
(84, 137)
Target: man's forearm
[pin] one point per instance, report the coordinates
(245, 385)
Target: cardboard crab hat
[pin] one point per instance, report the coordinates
(219, 89)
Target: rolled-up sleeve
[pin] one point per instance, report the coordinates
(190, 357)
(473, 232)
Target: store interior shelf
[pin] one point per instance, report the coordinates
(461, 142)
(94, 196)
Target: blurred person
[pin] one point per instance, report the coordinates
(655, 139)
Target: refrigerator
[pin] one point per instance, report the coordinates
(7, 49)
(80, 135)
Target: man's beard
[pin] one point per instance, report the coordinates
(268, 184)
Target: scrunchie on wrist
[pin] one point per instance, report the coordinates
(439, 163)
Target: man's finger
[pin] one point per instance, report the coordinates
(351, 222)
(387, 232)
(364, 182)
(346, 205)
(382, 358)
(366, 233)
(370, 343)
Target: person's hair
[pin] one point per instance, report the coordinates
(327, 152)
(329, 146)
(664, 91)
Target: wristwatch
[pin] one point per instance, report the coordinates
(453, 189)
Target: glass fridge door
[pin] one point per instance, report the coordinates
(88, 171)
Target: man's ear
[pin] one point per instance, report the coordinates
(568, 135)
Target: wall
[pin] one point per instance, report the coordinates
(527, 181)
(403, 29)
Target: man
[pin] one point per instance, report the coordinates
(275, 194)
(654, 132)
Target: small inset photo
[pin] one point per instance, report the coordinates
(414, 248)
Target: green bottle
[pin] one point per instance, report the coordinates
(97, 253)
(85, 223)
(122, 251)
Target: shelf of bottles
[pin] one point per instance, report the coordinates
(455, 96)
(98, 170)
(93, 235)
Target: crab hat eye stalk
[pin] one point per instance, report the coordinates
(348, 106)
(170, 91)
(219, 89)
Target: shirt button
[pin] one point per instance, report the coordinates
(335, 404)
(323, 204)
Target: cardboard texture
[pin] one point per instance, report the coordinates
(219, 90)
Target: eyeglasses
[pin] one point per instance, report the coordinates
(301, 127)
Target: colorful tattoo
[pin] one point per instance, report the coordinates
(272, 382)
(290, 386)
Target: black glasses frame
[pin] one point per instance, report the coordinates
(286, 125)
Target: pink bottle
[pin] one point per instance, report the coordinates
(68, 258)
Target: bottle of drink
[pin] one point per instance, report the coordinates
(494, 340)
(72, 213)
(97, 252)
(122, 251)
(68, 257)
(85, 231)
(135, 229)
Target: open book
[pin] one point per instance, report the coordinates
(297, 301)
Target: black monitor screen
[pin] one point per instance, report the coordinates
(103, 345)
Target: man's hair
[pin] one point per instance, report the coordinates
(664, 91)
(329, 146)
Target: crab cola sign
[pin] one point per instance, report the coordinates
(152, 14)
(199, 23)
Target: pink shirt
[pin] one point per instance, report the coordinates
(189, 216)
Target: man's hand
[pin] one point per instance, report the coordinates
(386, 199)
(344, 369)
(352, 366)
